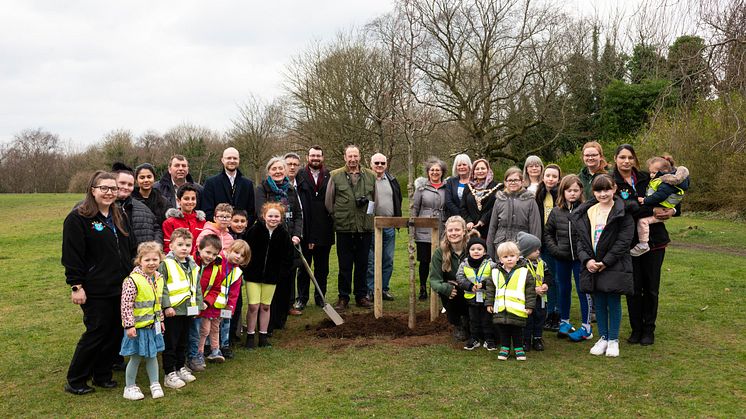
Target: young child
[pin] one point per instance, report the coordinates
(272, 260)
(605, 232)
(220, 225)
(237, 255)
(187, 217)
(471, 276)
(182, 297)
(208, 321)
(511, 295)
(530, 247)
(666, 189)
(239, 223)
(142, 320)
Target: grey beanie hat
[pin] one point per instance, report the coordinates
(528, 243)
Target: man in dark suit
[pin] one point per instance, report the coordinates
(318, 225)
(229, 186)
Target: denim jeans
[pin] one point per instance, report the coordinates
(553, 292)
(225, 336)
(387, 263)
(608, 314)
(565, 270)
(193, 338)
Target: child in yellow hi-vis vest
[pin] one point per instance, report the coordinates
(530, 247)
(142, 320)
(472, 275)
(511, 297)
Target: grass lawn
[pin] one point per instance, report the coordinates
(696, 368)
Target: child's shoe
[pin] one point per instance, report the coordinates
(471, 344)
(156, 391)
(538, 344)
(565, 328)
(216, 356)
(503, 354)
(250, 341)
(227, 352)
(612, 349)
(581, 334)
(639, 249)
(197, 363)
(520, 354)
(172, 380)
(490, 345)
(185, 375)
(600, 347)
(133, 393)
(264, 341)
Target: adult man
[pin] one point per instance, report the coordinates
(388, 204)
(177, 175)
(143, 222)
(318, 226)
(292, 163)
(349, 198)
(229, 186)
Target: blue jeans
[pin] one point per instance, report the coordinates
(387, 264)
(553, 293)
(225, 336)
(565, 270)
(193, 338)
(608, 314)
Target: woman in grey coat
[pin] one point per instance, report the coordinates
(515, 210)
(429, 201)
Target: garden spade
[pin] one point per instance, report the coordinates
(328, 309)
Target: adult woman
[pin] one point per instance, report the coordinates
(642, 307)
(429, 201)
(443, 268)
(145, 193)
(97, 252)
(546, 197)
(457, 184)
(594, 164)
(276, 187)
(478, 198)
(533, 172)
(515, 210)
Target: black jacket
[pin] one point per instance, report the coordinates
(144, 224)
(218, 190)
(318, 225)
(541, 194)
(472, 214)
(658, 233)
(612, 249)
(560, 235)
(396, 192)
(94, 256)
(293, 213)
(166, 187)
(453, 203)
(271, 256)
(155, 202)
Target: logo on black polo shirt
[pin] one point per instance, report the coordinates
(98, 226)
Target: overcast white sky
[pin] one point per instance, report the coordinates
(83, 68)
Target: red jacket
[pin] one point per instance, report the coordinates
(195, 222)
(210, 293)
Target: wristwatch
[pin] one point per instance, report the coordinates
(76, 288)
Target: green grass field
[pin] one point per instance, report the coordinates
(697, 368)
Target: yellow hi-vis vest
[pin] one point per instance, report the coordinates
(147, 300)
(470, 274)
(214, 274)
(181, 288)
(225, 288)
(538, 273)
(672, 200)
(510, 296)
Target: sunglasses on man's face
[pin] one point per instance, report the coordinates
(379, 163)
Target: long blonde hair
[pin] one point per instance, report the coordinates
(445, 245)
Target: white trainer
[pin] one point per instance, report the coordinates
(172, 380)
(133, 393)
(185, 375)
(156, 391)
(613, 348)
(600, 347)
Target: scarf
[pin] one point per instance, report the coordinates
(280, 192)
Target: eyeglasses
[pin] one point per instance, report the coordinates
(379, 163)
(512, 180)
(292, 164)
(223, 217)
(106, 189)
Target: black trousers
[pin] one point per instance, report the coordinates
(457, 309)
(99, 343)
(510, 334)
(352, 253)
(236, 319)
(318, 258)
(175, 337)
(423, 256)
(535, 323)
(480, 323)
(643, 305)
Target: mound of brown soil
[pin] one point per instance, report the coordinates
(394, 326)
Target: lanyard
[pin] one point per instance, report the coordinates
(478, 276)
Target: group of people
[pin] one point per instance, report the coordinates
(510, 249)
(159, 266)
